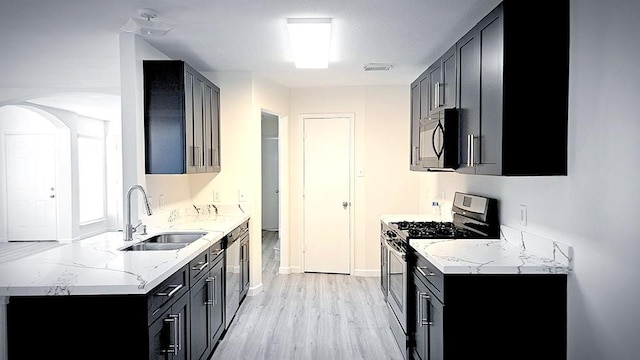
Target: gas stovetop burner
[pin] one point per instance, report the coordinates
(433, 230)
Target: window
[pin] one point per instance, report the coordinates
(91, 178)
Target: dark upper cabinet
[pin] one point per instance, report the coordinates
(442, 82)
(432, 92)
(181, 118)
(513, 105)
(415, 125)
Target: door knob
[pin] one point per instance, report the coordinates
(345, 204)
(277, 191)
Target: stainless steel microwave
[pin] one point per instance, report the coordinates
(439, 141)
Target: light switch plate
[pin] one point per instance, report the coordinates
(523, 215)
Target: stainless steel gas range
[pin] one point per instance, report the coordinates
(473, 217)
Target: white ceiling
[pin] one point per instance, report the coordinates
(72, 44)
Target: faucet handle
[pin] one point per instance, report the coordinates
(142, 230)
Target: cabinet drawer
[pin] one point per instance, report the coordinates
(216, 250)
(430, 275)
(199, 266)
(165, 294)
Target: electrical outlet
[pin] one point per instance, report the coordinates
(523, 215)
(241, 197)
(216, 196)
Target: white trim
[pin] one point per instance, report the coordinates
(296, 270)
(351, 117)
(284, 270)
(255, 290)
(367, 272)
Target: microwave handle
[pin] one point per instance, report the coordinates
(439, 153)
(433, 140)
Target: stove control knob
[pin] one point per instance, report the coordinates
(391, 234)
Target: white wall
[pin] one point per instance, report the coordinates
(381, 116)
(595, 207)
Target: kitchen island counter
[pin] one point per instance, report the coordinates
(97, 266)
(515, 252)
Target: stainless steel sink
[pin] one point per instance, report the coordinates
(146, 246)
(183, 237)
(167, 241)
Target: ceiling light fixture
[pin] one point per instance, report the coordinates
(377, 67)
(310, 39)
(146, 24)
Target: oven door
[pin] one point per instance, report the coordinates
(397, 293)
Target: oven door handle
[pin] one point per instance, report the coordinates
(403, 256)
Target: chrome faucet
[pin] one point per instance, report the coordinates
(128, 228)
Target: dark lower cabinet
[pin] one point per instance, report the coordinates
(482, 316)
(244, 266)
(151, 326)
(180, 319)
(206, 300)
(169, 334)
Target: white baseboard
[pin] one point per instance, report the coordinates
(366, 272)
(255, 290)
(284, 270)
(296, 270)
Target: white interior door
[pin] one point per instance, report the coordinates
(327, 143)
(31, 187)
(270, 192)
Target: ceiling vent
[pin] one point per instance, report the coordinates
(377, 67)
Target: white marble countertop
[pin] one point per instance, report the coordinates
(97, 266)
(516, 252)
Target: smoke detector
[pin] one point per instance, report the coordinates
(377, 67)
(147, 23)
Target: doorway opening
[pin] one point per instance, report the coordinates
(270, 196)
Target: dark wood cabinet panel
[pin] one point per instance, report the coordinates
(521, 311)
(244, 267)
(182, 119)
(169, 334)
(501, 85)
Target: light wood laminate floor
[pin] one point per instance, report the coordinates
(309, 316)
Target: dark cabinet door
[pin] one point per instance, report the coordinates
(200, 315)
(434, 86)
(442, 82)
(244, 267)
(449, 85)
(415, 125)
(468, 99)
(182, 119)
(169, 334)
(480, 71)
(216, 324)
(211, 128)
(421, 334)
(489, 156)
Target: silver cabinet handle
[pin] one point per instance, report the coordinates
(215, 298)
(200, 265)
(176, 288)
(421, 271)
(218, 253)
(468, 150)
(473, 155)
(437, 94)
(175, 320)
(424, 321)
(345, 204)
(210, 289)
